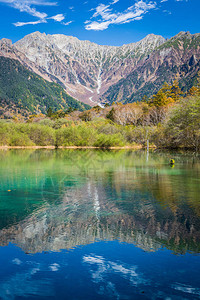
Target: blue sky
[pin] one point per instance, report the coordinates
(113, 22)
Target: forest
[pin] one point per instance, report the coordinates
(169, 119)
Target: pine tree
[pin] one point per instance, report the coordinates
(163, 96)
(49, 112)
(167, 89)
(175, 90)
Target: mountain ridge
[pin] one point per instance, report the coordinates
(24, 92)
(99, 74)
(85, 68)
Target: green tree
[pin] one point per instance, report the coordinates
(49, 112)
(195, 90)
(176, 92)
(160, 99)
(184, 123)
(111, 115)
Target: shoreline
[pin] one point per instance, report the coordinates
(138, 147)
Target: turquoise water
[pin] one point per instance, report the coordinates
(83, 224)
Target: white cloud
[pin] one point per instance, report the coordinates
(167, 11)
(31, 11)
(58, 18)
(97, 26)
(30, 2)
(27, 7)
(20, 24)
(107, 17)
(67, 23)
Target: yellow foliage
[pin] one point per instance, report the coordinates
(193, 91)
(168, 94)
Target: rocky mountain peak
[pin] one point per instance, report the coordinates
(36, 34)
(6, 42)
(85, 69)
(95, 73)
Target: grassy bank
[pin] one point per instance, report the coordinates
(175, 126)
(99, 134)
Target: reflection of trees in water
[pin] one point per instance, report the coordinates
(82, 196)
(158, 208)
(169, 188)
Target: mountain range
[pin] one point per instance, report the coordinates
(96, 74)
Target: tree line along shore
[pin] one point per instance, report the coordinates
(168, 119)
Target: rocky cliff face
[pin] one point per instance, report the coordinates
(179, 56)
(9, 51)
(86, 69)
(23, 88)
(97, 74)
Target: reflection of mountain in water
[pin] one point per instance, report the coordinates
(133, 203)
(84, 216)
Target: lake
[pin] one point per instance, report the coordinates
(91, 224)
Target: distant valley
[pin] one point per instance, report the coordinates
(96, 74)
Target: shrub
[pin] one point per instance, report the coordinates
(109, 128)
(80, 135)
(47, 122)
(183, 123)
(139, 135)
(41, 135)
(20, 139)
(62, 123)
(86, 116)
(106, 141)
(4, 134)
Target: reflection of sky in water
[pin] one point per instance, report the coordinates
(104, 270)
